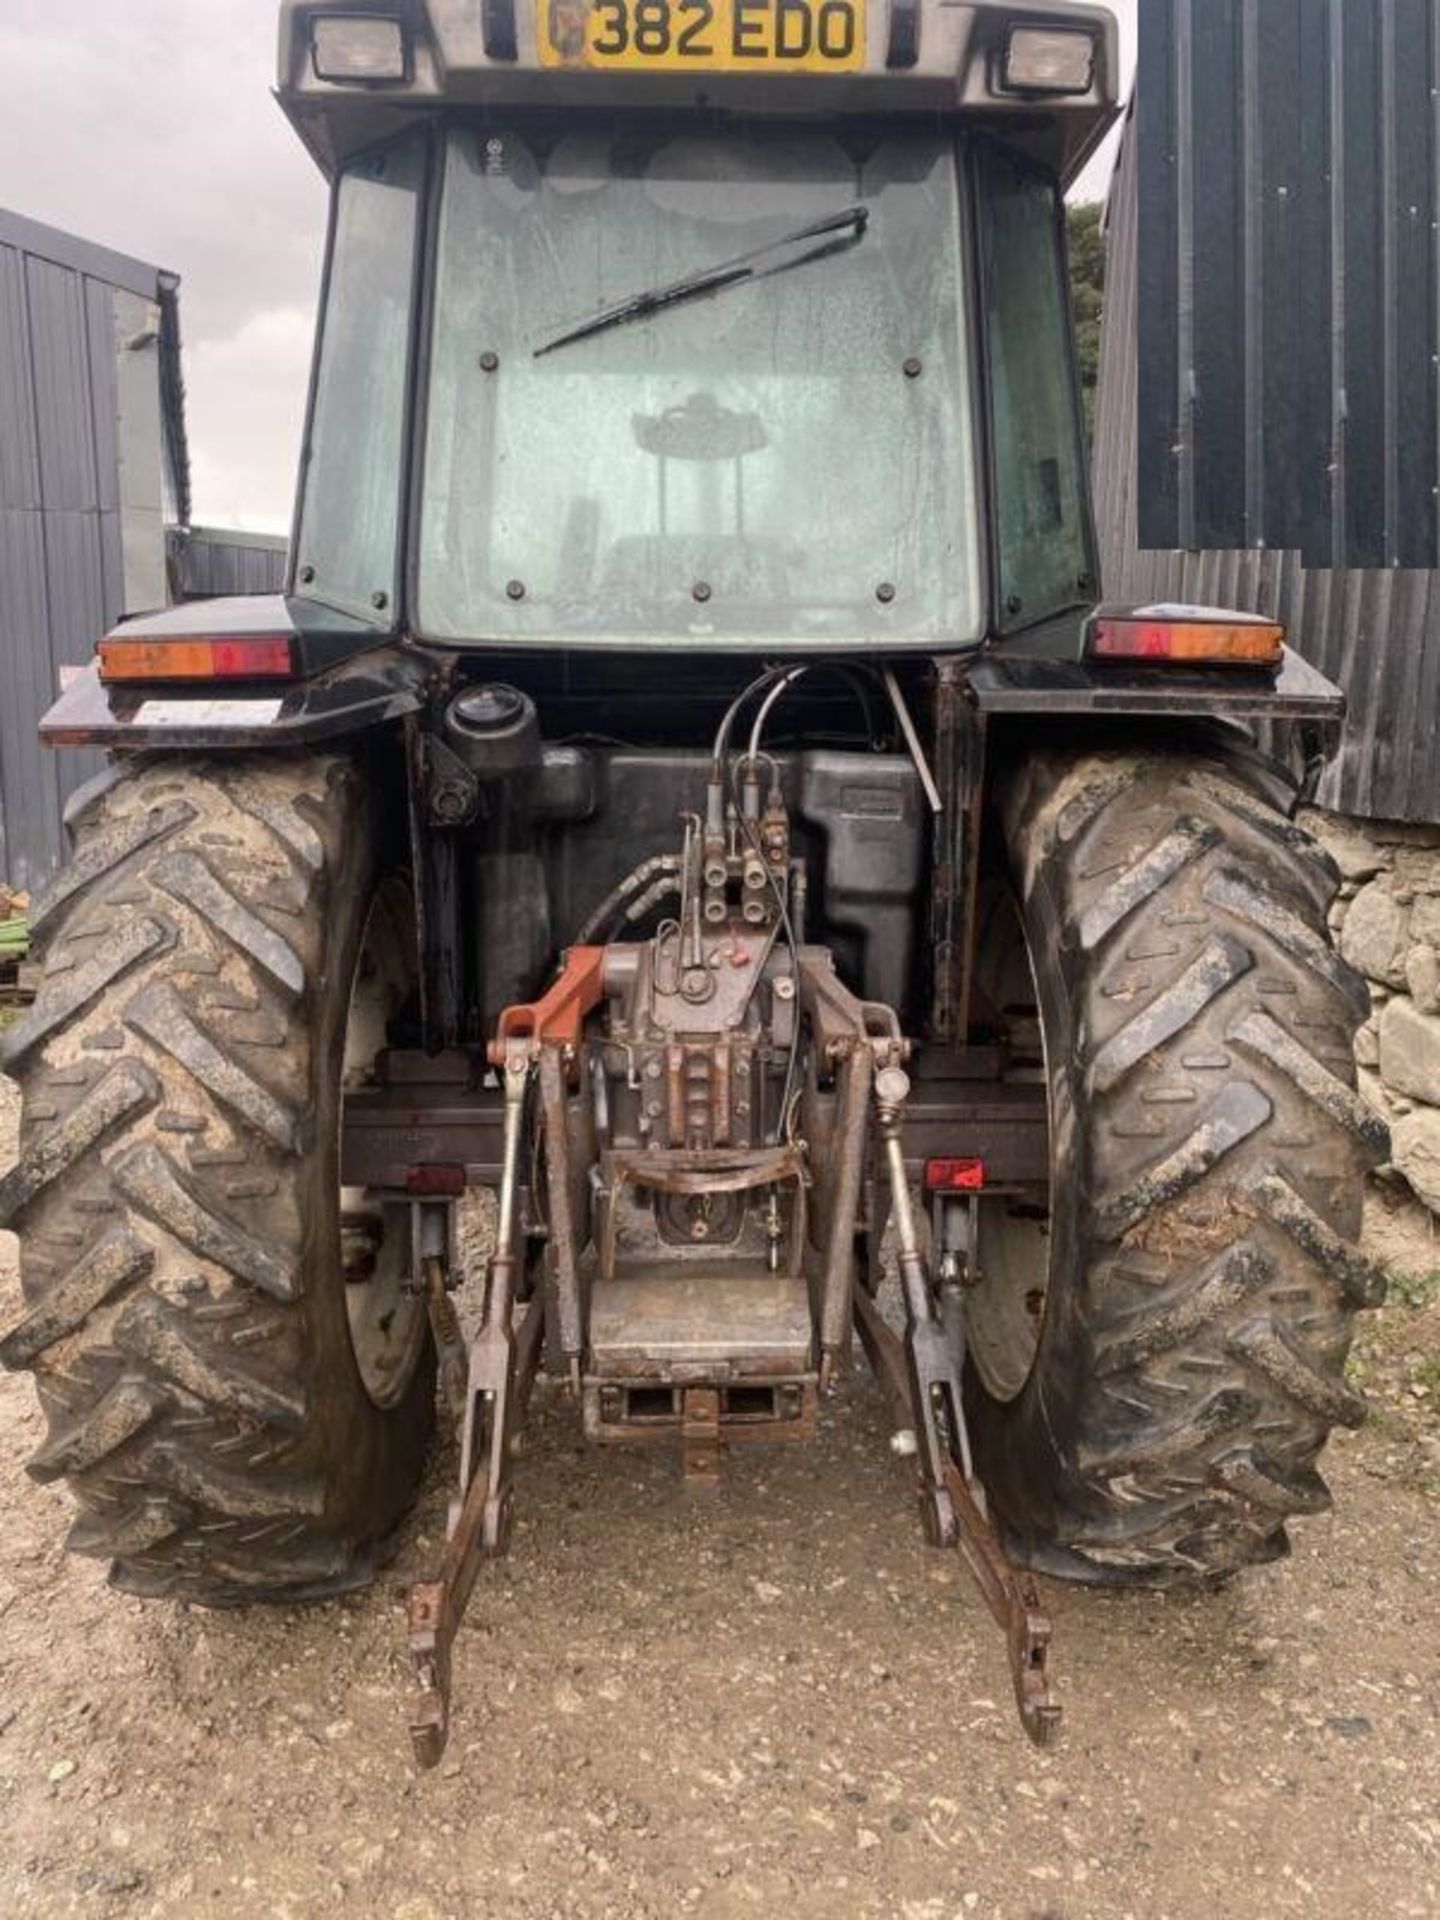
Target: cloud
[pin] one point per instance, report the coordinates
(148, 125)
(245, 398)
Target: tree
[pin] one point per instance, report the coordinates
(1087, 286)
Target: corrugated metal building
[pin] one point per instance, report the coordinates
(1375, 632)
(92, 464)
(94, 482)
(209, 561)
(1288, 273)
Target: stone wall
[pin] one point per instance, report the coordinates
(1388, 923)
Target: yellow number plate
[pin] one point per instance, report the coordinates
(709, 36)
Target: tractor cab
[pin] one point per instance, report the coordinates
(709, 324)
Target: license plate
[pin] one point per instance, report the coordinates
(704, 36)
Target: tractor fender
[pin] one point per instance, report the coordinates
(347, 678)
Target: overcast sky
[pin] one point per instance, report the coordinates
(147, 125)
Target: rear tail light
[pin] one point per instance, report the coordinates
(1187, 636)
(255, 657)
(443, 1181)
(954, 1176)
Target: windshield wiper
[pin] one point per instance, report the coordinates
(726, 273)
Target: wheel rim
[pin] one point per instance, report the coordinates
(386, 1320)
(1006, 1306)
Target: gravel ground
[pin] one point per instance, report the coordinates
(773, 1696)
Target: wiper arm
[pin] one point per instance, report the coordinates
(726, 273)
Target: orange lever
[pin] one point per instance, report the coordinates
(560, 1012)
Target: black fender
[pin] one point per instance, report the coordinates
(348, 678)
(1054, 689)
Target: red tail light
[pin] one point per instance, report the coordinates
(954, 1176)
(435, 1181)
(1187, 636)
(253, 657)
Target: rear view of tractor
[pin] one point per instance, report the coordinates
(693, 788)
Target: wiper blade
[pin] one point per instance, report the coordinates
(726, 273)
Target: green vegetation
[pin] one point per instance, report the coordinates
(1414, 1290)
(1087, 285)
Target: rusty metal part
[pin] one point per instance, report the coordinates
(445, 1328)
(706, 1322)
(886, 1355)
(723, 1171)
(1011, 1595)
(700, 1436)
(1014, 1602)
(728, 1172)
(952, 1501)
(857, 1039)
(842, 1201)
(559, 1014)
(565, 1189)
(495, 1392)
(752, 1412)
(502, 1373)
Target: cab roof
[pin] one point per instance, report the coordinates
(948, 57)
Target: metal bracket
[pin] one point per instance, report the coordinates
(432, 1250)
(501, 1371)
(700, 1436)
(926, 1373)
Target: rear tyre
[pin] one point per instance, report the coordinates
(234, 1420)
(1155, 1368)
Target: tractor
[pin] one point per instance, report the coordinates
(694, 787)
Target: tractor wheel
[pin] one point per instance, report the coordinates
(238, 1387)
(1157, 1357)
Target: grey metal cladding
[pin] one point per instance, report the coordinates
(64, 413)
(1288, 323)
(212, 562)
(78, 255)
(19, 460)
(1376, 632)
(62, 510)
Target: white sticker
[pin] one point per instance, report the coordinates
(207, 713)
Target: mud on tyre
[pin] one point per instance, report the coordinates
(1154, 1410)
(235, 1418)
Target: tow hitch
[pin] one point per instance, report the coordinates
(672, 1337)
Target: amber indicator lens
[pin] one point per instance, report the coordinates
(261, 657)
(1253, 643)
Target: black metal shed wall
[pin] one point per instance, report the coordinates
(1374, 632)
(1288, 274)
